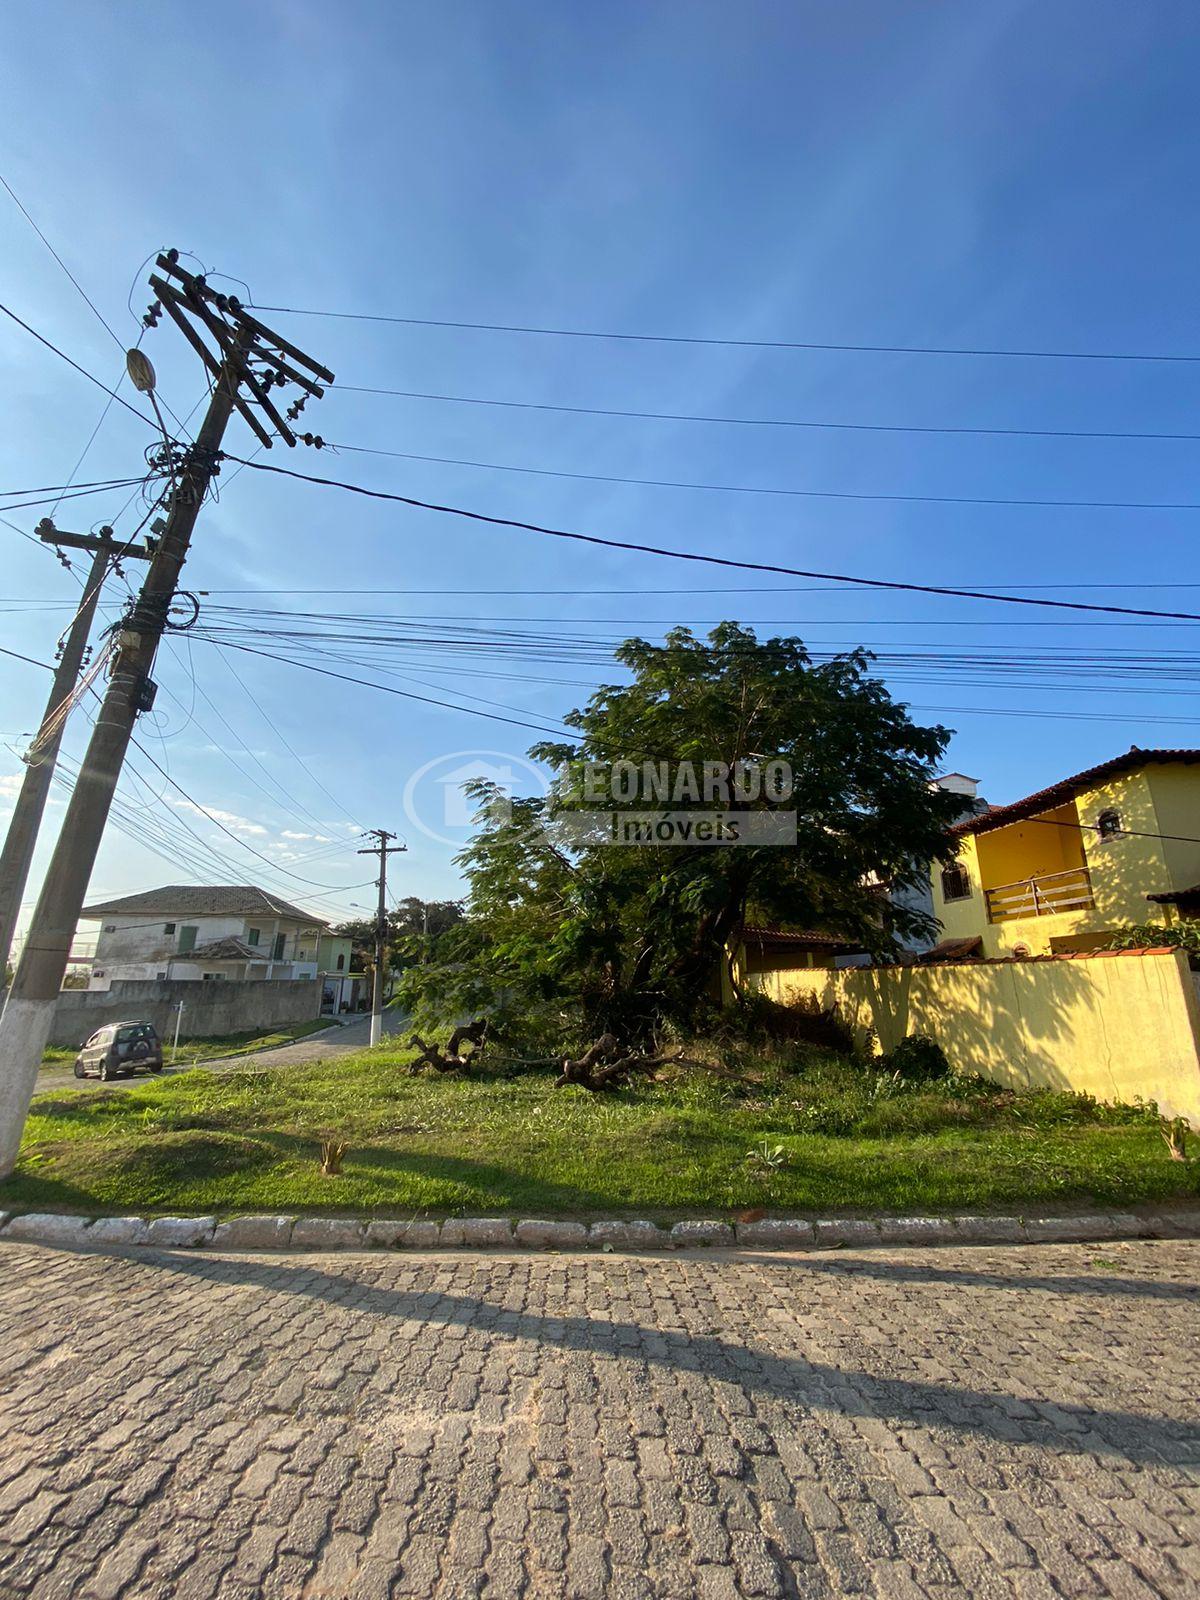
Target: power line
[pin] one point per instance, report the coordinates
(95, 486)
(17, 656)
(1069, 716)
(217, 823)
(82, 291)
(293, 809)
(762, 422)
(740, 344)
(720, 561)
(1088, 827)
(446, 705)
(141, 415)
(280, 735)
(775, 490)
(645, 590)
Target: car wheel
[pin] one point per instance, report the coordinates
(79, 1072)
(105, 1072)
(157, 1068)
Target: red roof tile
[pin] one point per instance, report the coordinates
(1067, 788)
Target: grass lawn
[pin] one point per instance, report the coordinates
(826, 1136)
(192, 1050)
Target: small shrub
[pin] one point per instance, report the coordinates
(918, 1059)
(765, 1157)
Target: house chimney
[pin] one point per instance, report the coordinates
(959, 783)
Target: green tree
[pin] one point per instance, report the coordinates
(413, 928)
(612, 937)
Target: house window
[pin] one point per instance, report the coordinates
(956, 884)
(187, 938)
(341, 963)
(110, 927)
(253, 935)
(277, 947)
(211, 977)
(1108, 824)
(168, 927)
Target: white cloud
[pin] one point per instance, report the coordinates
(230, 818)
(10, 785)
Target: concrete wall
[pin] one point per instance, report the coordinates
(208, 1008)
(1116, 1026)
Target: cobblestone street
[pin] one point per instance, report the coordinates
(988, 1422)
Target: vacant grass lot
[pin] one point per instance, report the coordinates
(827, 1136)
(201, 1049)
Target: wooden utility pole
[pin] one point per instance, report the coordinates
(247, 354)
(40, 759)
(383, 850)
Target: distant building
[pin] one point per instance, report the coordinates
(190, 931)
(920, 896)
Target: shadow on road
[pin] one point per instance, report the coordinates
(1127, 1435)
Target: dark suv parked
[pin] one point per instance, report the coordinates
(120, 1049)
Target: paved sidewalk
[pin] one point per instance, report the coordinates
(988, 1422)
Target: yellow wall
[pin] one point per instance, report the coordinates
(1175, 791)
(1114, 1026)
(1033, 848)
(1123, 870)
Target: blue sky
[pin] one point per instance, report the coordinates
(1008, 175)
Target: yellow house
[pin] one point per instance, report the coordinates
(1055, 872)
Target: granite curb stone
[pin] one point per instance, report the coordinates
(629, 1235)
(254, 1233)
(268, 1232)
(990, 1230)
(392, 1235)
(119, 1230)
(478, 1231)
(326, 1233)
(777, 1234)
(835, 1231)
(181, 1233)
(917, 1230)
(709, 1233)
(551, 1235)
(48, 1227)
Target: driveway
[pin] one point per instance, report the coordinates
(339, 1041)
(1002, 1423)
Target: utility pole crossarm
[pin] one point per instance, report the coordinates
(24, 825)
(383, 850)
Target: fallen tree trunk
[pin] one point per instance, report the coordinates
(453, 1058)
(605, 1065)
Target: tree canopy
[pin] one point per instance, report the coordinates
(413, 926)
(623, 937)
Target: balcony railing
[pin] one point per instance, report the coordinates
(1042, 896)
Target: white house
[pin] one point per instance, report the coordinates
(189, 931)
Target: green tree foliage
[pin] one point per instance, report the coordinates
(414, 927)
(1152, 935)
(610, 937)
